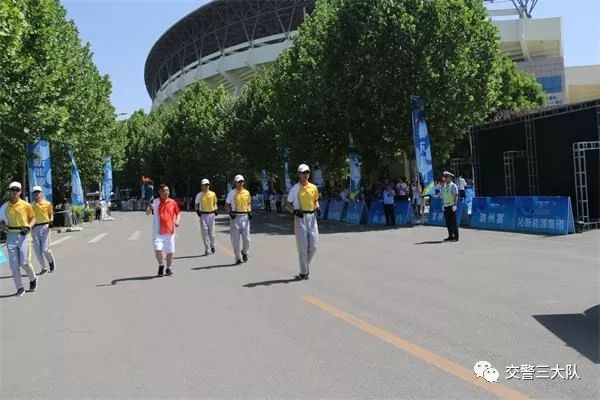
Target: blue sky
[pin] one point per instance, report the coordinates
(121, 33)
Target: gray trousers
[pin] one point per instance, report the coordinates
(19, 256)
(307, 239)
(41, 244)
(207, 229)
(240, 230)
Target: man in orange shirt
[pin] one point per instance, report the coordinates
(166, 217)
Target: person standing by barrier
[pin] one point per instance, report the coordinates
(450, 198)
(44, 218)
(166, 217)
(278, 198)
(19, 219)
(303, 202)
(238, 206)
(462, 186)
(206, 208)
(389, 195)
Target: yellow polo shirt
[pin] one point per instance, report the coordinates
(240, 200)
(43, 212)
(209, 201)
(19, 214)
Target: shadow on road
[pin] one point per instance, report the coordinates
(579, 331)
(182, 257)
(5, 296)
(135, 278)
(431, 242)
(213, 266)
(269, 283)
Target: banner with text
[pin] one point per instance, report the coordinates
(39, 168)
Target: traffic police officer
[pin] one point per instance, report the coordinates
(238, 205)
(19, 219)
(303, 202)
(450, 198)
(206, 208)
(44, 217)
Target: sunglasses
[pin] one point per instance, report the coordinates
(305, 172)
(37, 191)
(15, 189)
(240, 182)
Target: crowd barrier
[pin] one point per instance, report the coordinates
(403, 210)
(336, 210)
(356, 213)
(436, 213)
(530, 214)
(324, 205)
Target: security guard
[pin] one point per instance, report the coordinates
(237, 205)
(303, 202)
(20, 219)
(450, 198)
(44, 217)
(206, 208)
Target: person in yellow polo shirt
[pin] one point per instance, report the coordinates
(303, 202)
(206, 208)
(44, 217)
(19, 219)
(237, 205)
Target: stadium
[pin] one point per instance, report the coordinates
(224, 42)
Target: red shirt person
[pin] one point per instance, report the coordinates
(166, 217)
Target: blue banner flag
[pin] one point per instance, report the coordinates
(286, 175)
(107, 184)
(355, 176)
(422, 145)
(265, 182)
(76, 189)
(436, 212)
(318, 176)
(39, 168)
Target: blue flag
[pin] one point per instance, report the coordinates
(39, 168)
(107, 184)
(76, 189)
(422, 145)
(318, 176)
(265, 182)
(286, 175)
(355, 176)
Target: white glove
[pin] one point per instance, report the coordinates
(454, 208)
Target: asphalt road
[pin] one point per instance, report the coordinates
(385, 314)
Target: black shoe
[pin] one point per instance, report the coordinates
(304, 276)
(52, 267)
(212, 250)
(20, 292)
(448, 239)
(454, 240)
(33, 285)
(169, 272)
(244, 257)
(238, 262)
(43, 271)
(160, 270)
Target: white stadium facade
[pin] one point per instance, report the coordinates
(225, 42)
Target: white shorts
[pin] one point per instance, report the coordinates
(164, 242)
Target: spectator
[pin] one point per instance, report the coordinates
(269, 200)
(388, 205)
(462, 185)
(98, 209)
(344, 194)
(416, 198)
(402, 189)
(437, 189)
(278, 197)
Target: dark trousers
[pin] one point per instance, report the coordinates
(390, 214)
(451, 222)
(268, 206)
(278, 206)
(462, 194)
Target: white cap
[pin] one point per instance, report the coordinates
(446, 173)
(205, 181)
(303, 168)
(36, 189)
(14, 185)
(238, 178)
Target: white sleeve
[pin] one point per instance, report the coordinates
(230, 197)
(293, 196)
(3, 212)
(197, 200)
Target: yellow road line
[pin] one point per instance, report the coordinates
(442, 363)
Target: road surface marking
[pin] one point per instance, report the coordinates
(225, 249)
(63, 239)
(135, 235)
(283, 228)
(98, 238)
(425, 355)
